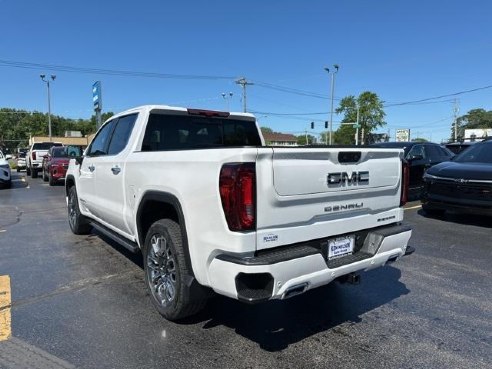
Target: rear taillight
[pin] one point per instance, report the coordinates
(405, 178)
(33, 155)
(237, 185)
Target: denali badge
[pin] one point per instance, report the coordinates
(343, 207)
(342, 178)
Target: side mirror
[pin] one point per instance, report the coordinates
(415, 157)
(79, 160)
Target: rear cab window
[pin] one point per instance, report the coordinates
(45, 145)
(184, 132)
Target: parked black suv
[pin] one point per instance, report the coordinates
(420, 156)
(463, 184)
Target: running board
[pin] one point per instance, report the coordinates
(129, 245)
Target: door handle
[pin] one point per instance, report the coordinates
(91, 167)
(116, 170)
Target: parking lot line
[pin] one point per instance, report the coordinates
(5, 317)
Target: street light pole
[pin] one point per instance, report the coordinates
(47, 81)
(336, 66)
(227, 99)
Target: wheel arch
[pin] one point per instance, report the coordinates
(157, 205)
(69, 183)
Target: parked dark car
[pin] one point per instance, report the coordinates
(464, 184)
(457, 147)
(420, 156)
(55, 162)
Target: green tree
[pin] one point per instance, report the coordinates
(266, 130)
(419, 139)
(345, 135)
(371, 116)
(474, 119)
(16, 126)
(301, 139)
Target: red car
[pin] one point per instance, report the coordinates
(55, 163)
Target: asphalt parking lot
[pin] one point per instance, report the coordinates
(80, 302)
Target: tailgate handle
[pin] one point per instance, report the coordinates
(349, 156)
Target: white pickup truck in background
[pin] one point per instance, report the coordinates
(212, 208)
(34, 157)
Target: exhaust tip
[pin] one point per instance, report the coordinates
(295, 290)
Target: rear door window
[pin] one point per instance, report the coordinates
(434, 153)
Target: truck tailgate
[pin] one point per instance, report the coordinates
(310, 193)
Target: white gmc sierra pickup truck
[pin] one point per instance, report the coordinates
(212, 208)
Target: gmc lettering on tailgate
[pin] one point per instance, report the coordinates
(343, 178)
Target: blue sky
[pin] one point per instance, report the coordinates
(401, 50)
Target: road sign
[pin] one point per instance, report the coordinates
(96, 95)
(356, 126)
(402, 135)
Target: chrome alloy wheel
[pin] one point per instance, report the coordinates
(161, 270)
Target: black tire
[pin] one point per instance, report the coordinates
(45, 177)
(166, 273)
(432, 211)
(28, 171)
(34, 173)
(78, 223)
(51, 180)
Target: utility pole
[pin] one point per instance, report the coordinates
(456, 110)
(243, 82)
(47, 81)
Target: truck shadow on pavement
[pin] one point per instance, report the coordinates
(277, 324)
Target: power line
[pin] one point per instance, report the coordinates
(291, 90)
(289, 114)
(439, 97)
(111, 72)
(285, 89)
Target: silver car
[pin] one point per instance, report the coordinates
(5, 174)
(21, 161)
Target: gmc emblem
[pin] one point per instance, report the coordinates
(343, 178)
